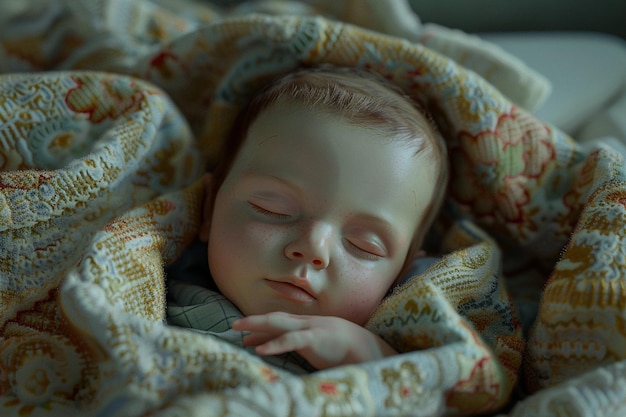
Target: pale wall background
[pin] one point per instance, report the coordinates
(607, 16)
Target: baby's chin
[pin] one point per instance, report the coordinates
(253, 304)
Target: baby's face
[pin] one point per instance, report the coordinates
(316, 216)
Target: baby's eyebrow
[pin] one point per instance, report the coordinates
(289, 186)
(252, 175)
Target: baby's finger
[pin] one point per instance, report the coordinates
(257, 338)
(288, 342)
(270, 322)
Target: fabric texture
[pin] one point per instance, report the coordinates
(110, 112)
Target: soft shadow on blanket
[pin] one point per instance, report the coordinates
(99, 190)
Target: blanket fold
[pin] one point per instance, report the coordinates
(104, 134)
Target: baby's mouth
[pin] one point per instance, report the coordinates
(291, 291)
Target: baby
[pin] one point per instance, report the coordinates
(319, 204)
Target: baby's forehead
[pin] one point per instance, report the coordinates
(286, 131)
(389, 122)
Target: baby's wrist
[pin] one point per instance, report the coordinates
(369, 350)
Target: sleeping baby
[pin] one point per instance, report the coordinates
(318, 207)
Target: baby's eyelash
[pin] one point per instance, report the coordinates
(362, 253)
(267, 212)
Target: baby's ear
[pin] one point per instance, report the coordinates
(205, 224)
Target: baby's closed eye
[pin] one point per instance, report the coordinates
(365, 249)
(267, 212)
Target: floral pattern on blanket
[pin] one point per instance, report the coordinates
(105, 129)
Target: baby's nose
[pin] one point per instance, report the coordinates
(311, 246)
(318, 262)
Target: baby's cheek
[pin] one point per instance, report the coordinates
(227, 245)
(361, 302)
(261, 236)
(259, 244)
(364, 290)
(223, 254)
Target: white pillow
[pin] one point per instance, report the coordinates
(587, 72)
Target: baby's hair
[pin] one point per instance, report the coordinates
(360, 97)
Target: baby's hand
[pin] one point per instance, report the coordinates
(324, 341)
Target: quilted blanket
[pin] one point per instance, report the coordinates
(111, 110)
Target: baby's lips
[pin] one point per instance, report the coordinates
(292, 291)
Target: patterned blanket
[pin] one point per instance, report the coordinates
(110, 111)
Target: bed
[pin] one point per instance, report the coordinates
(110, 112)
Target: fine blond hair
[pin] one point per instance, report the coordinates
(362, 98)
